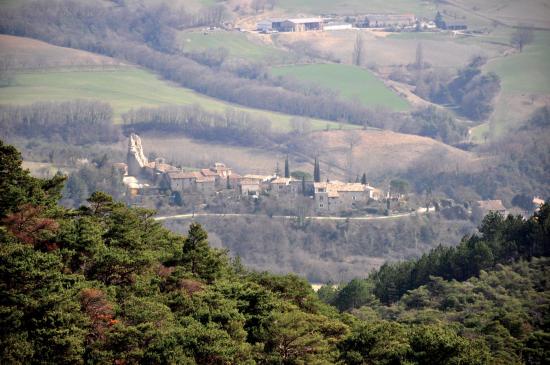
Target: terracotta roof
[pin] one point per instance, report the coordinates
(249, 182)
(349, 187)
(208, 172)
(205, 179)
(333, 188)
(183, 175)
(258, 177)
(164, 167)
(282, 180)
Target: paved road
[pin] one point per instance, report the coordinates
(319, 218)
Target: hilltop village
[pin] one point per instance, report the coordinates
(145, 178)
(204, 187)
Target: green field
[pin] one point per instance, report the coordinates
(418, 7)
(525, 77)
(238, 44)
(526, 72)
(352, 83)
(124, 89)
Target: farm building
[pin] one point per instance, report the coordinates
(455, 26)
(269, 25)
(297, 25)
(301, 25)
(388, 20)
(337, 26)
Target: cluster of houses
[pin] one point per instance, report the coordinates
(143, 177)
(330, 196)
(375, 20)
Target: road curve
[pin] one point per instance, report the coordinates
(319, 218)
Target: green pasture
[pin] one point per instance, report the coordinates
(124, 89)
(419, 7)
(238, 44)
(526, 72)
(352, 83)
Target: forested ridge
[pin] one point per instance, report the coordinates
(107, 284)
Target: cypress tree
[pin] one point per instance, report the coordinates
(287, 168)
(317, 171)
(364, 179)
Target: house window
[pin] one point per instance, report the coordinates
(321, 205)
(321, 198)
(354, 197)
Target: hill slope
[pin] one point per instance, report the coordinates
(59, 74)
(350, 82)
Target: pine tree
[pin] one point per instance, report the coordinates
(198, 257)
(439, 22)
(364, 179)
(317, 171)
(287, 168)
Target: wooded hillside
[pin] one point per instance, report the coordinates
(107, 284)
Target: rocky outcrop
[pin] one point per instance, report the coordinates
(136, 158)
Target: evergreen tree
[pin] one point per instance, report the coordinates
(317, 171)
(287, 168)
(198, 258)
(439, 22)
(18, 187)
(364, 179)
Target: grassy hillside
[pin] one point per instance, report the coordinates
(526, 72)
(352, 83)
(509, 12)
(238, 44)
(525, 86)
(67, 74)
(124, 89)
(26, 53)
(357, 6)
(393, 49)
(378, 153)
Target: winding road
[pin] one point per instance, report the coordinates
(319, 218)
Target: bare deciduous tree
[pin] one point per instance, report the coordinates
(522, 37)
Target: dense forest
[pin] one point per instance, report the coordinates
(107, 284)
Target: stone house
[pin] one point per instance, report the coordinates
(285, 185)
(191, 182)
(336, 196)
(249, 186)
